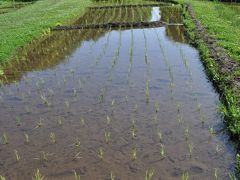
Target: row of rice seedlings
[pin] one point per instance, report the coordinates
(116, 55)
(131, 56)
(171, 85)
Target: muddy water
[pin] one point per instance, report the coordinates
(124, 103)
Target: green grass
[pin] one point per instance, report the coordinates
(222, 22)
(23, 25)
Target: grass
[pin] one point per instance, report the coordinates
(222, 22)
(21, 26)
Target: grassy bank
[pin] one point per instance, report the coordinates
(230, 93)
(222, 21)
(21, 26)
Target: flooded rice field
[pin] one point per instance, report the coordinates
(126, 103)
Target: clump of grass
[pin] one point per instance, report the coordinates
(37, 175)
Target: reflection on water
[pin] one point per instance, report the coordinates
(53, 50)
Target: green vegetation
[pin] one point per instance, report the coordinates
(223, 22)
(231, 108)
(23, 25)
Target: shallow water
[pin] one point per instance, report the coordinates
(89, 88)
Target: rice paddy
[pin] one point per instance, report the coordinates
(118, 102)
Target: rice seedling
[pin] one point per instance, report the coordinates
(134, 153)
(190, 149)
(112, 176)
(53, 138)
(147, 91)
(39, 123)
(107, 136)
(59, 120)
(67, 104)
(100, 153)
(218, 148)
(50, 92)
(5, 138)
(26, 136)
(17, 156)
(202, 118)
(216, 173)
(82, 121)
(2, 177)
(156, 106)
(18, 121)
(45, 100)
(162, 151)
(43, 156)
(76, 176)
(185, 176)
(186, 133)
(133, 131)
(101, 96)
(108, 120)
(210, 132)
(149, 174)
(160, 135)
(126, 99)
(37, 175)
(179, 118)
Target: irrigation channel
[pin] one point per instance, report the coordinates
(113, 103)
